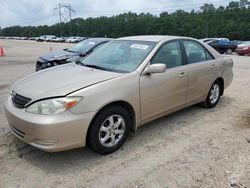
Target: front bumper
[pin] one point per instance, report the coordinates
(48, 132)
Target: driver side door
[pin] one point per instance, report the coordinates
(163, 92)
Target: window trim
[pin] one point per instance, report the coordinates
(96, 46)
(204, 48)
(167, 42)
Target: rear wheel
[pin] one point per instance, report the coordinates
(213, 96)
(109, 130)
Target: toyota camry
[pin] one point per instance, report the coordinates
(131, 81)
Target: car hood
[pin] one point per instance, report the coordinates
(60, 81)
(58, 55)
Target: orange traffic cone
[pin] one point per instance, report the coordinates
(50, 48)
(1, 52)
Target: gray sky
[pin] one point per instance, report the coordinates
(41, 12)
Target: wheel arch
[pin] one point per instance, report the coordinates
(221, 81)
(127, 106)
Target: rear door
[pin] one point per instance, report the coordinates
(162, 92)
(201, 68)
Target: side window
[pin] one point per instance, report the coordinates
(169, 54)
(195, 52)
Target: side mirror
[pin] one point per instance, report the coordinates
(83, 54)
(155, 68)
(73, 59)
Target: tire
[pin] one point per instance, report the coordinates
(215, 91)
(229, 51)
(109, 130)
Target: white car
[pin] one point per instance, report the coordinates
(46, 38)
(72, 39)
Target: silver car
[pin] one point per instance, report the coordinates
(125, 84)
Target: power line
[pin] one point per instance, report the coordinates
(159, 9)
(65, 16)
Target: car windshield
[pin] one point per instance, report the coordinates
(119, 55)
(83, 46)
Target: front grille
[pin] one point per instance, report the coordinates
(19, 101)
(17, 131)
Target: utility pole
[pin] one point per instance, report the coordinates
(60, 15)
(65, 16)
(70, 32)
(70, 10)
(207, 29)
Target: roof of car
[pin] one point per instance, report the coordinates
(99, 39)
(151, 38)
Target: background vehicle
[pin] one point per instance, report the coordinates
(45, 38)
(50, 38)
(207, 39)
(243, 48)
(223, 45)
(74, 53)
(33, 38)
(59, 39)
(123, 85)
(79, 39)
(72, 39)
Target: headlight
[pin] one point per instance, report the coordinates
(53, 106)
(41, 60)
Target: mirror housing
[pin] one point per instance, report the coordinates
(155, 68)
(83, 54)
(73, 59)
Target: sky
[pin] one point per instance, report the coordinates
(42, 12)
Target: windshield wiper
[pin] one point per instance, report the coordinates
(94, 66)
(68, 50)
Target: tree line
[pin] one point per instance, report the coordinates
(231, 21)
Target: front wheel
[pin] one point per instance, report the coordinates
(229, 51)
(109, 130)
(213, 96)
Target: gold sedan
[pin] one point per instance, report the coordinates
(119, 87)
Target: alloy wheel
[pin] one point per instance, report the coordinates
(112, 130)
(214, 93)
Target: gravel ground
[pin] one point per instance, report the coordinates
(195, 147)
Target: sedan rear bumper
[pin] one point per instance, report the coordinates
(241, 51)
(48, 132)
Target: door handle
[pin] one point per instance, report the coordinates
(183, 75)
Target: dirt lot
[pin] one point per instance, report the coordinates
(195, 147)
